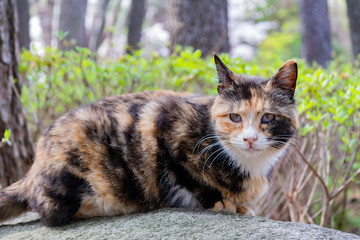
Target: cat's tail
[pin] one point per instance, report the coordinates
(12, 201)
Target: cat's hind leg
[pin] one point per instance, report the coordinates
(58, 196)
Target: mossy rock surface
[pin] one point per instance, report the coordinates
(170, 224)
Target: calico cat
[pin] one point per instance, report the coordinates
(148, 150)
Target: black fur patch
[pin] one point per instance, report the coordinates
(48, 131)
(202, 123)
(243, 91)
(281, 97)
(134, 110)
(74, 159)
(130, 132)
(126, 184)
(172, 165)
(226, 174)
(171, 112)
(131, 135)
(209, 196)
(141, 98)
(163, 122)
(109, 104)
(90, 126)
(90, 130)
(66, 190)
(281, 131)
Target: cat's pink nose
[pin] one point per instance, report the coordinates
(250, 140)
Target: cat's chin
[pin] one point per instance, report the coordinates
(254, 153)
(252, 150)
(245, 149)
(256, 161)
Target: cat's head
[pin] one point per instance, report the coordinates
(255, 117)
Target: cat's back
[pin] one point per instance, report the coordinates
(122, 107)
(113, 119)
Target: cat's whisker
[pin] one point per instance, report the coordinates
(289, 135)
(220, 149)
(289, 148)
(222, 152)
(205, 150)
(225, 151)
(230, 148)
(294, 139)
(277, 139)
(207, 137)
(218, 155)
(284, 137)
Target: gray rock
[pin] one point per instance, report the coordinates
(171, 224)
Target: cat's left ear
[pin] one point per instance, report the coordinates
(286, 77)
(226, 76)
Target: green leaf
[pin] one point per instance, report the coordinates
(7, 134)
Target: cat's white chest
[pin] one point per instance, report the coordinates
(257, 165)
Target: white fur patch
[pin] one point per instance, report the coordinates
(257, 163)
(183, 198)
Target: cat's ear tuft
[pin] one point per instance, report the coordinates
(225, 75)
(286, 77)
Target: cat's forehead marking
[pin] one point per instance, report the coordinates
(256, 104)
(248, 87)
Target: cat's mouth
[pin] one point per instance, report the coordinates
(251, 148)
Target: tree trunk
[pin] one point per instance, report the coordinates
(114, 22)
(315, 31)
(98, 26)
(202, 24)
(72, 23)
(136, 17)
(16, 158)
(45, 11)
(353, 9)
(24, 17)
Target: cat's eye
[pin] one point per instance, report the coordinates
(235, 117)
(268, 117)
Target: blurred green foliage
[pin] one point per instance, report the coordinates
(60, 81)
(284, 41)
(56, 82)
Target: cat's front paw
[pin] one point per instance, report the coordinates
(224, 206)
(245, 210)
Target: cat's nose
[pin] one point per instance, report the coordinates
(250, 140)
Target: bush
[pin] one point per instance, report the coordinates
(310, 186)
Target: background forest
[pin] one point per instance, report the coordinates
(76, 52)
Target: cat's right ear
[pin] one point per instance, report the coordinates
(225, 75)
(286, 77)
